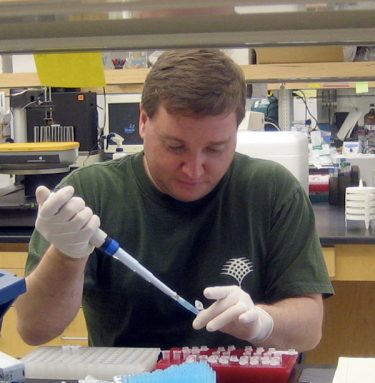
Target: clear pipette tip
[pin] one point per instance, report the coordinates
(188, 306)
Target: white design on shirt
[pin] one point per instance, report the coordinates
(237, 268)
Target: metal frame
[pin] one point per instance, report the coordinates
(56, 25)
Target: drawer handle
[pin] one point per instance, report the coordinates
(74, 337)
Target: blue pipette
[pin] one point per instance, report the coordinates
(110, 247)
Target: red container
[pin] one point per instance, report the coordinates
(237, 365)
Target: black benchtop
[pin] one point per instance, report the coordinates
(330, 222)
(15, 234)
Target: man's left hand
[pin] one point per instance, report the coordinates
(234, 313)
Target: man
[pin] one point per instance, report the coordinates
(194, 213)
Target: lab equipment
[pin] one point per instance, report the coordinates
(11, 369)
(117, 140)
(10, 288)
(248, 365)
(183, 373)
(255, 365)
(76, 362)
(75, 117)
(365, 163)
(110, 247)
(48, 130)
(290, 149)
(29, 156)
(31, 164)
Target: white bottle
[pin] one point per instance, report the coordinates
(119, 153)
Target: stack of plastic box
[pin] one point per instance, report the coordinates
(360, 204)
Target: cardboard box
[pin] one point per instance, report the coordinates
(305, 54)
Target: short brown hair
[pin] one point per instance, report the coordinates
(198, 82)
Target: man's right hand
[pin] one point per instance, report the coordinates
(65, 221)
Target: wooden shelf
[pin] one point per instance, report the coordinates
(128, 78)
(311, 72)
(318, 85)
(131, 80)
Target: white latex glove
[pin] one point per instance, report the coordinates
(65, 221)
(234, 313)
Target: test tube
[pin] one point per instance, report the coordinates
(265, 360)
(191, 359)
(224, 360)
(275, 361)
(165, 355)
(244, 360)
(254, 360)
(213, 359)
(176, 355)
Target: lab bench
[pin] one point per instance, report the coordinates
(304, 374)
(349, 252)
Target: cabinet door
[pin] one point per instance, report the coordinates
(11, 260)
(329, 257)
(76, 332)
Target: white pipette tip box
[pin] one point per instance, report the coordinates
(76, 362)
(11, 369)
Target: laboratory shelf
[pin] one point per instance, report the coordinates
(131, 80)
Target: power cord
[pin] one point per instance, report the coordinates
(303, 98)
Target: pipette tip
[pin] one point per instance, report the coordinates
(187, 305)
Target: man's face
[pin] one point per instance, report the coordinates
(186, 157)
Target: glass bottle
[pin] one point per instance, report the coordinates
(369, 123)
(369, 118)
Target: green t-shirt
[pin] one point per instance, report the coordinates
(256, 229)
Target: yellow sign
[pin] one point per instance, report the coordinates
(70, 70)
(315, 85)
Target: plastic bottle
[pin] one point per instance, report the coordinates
(119, 153)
